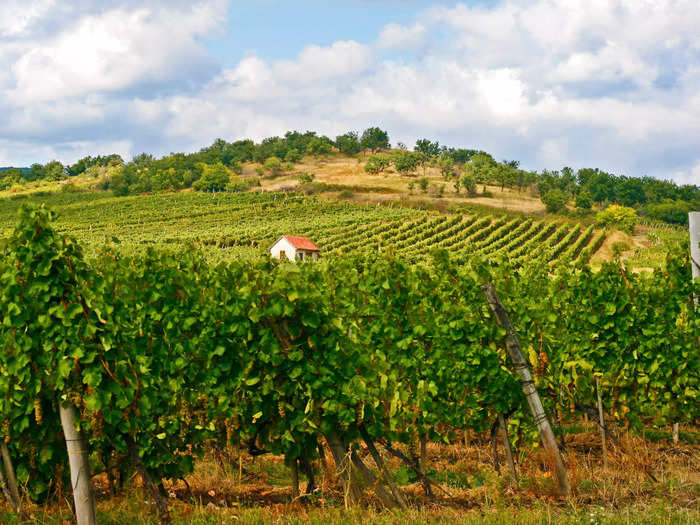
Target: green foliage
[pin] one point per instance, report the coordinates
(374, 139)
(423, 183)
(377, 163)
(306, 178)
(406, 162)
(214, 178)
(273, 166)
(672, 212)
(469, 184)
(447, 166)
(349, 143)
(292, 156)
(427, 148)
(555, 201)
(584, 200)
(620, 217)
(164, 353)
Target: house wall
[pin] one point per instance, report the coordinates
(284, 246)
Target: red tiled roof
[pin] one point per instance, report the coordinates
(302, 243)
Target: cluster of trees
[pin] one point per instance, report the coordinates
(654, 198)
(466, 168)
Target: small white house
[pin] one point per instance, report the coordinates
(295, 249)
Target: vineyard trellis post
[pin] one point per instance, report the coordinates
(601, 418)
(694, 229)
(529, 389)
(80, 478)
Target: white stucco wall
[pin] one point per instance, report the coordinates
(283, 245)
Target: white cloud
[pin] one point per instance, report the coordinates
(112, 50)
(395, 36)
(604, 83)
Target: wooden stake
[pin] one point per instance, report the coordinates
(295, 479)
(506, 446)
(675, 433)
(601, 418)
(80, 478)
(11, 480)
(531, 395)
(382, 467)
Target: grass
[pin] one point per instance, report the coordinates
(472, 492)
(126, 511)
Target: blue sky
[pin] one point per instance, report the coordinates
(606, 83)
(281, 29)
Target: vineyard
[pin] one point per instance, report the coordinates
(245, 225)
(164, 357)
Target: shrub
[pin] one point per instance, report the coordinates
(555, 200)
(214, 177)
(469, 184)
(293, 156)
(273, 166)
(306, 178)
(673, 212)
(345, 194)
(376, 164)
(423, 183)
(584, 200)
(406, 162)
(620, 217)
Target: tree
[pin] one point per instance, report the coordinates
(447, 166)
(427, 148)
(620, 217)
(54, 171)
(376, 164)
(555, 200)
(214, 178)
(406, 162)
(423, 183)
(273, 165)
(292, 156)
(375, 139)
(349, 143)
(457, 184)
(469, 184)
(584, 200)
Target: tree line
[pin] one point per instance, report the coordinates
(215, 168)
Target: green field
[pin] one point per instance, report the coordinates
(227, 225)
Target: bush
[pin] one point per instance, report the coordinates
(423, 183)
(293, 156)
(584, 201)
(673, 212)
(214, 177)
(406, 162)
(346, 194)
(555, 201)
(620, 217)
(376, 164)
(306, 178)
(469, 184)
(273, 165)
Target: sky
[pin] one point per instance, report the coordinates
(612, 84)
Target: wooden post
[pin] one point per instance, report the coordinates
(80, 478)
(601, 418)
(507, 448)
(694, 222)
(531, 395)
(295, 479)
(11, 479)
(676, 430)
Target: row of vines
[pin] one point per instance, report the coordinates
(164, 355)
(229, 226)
